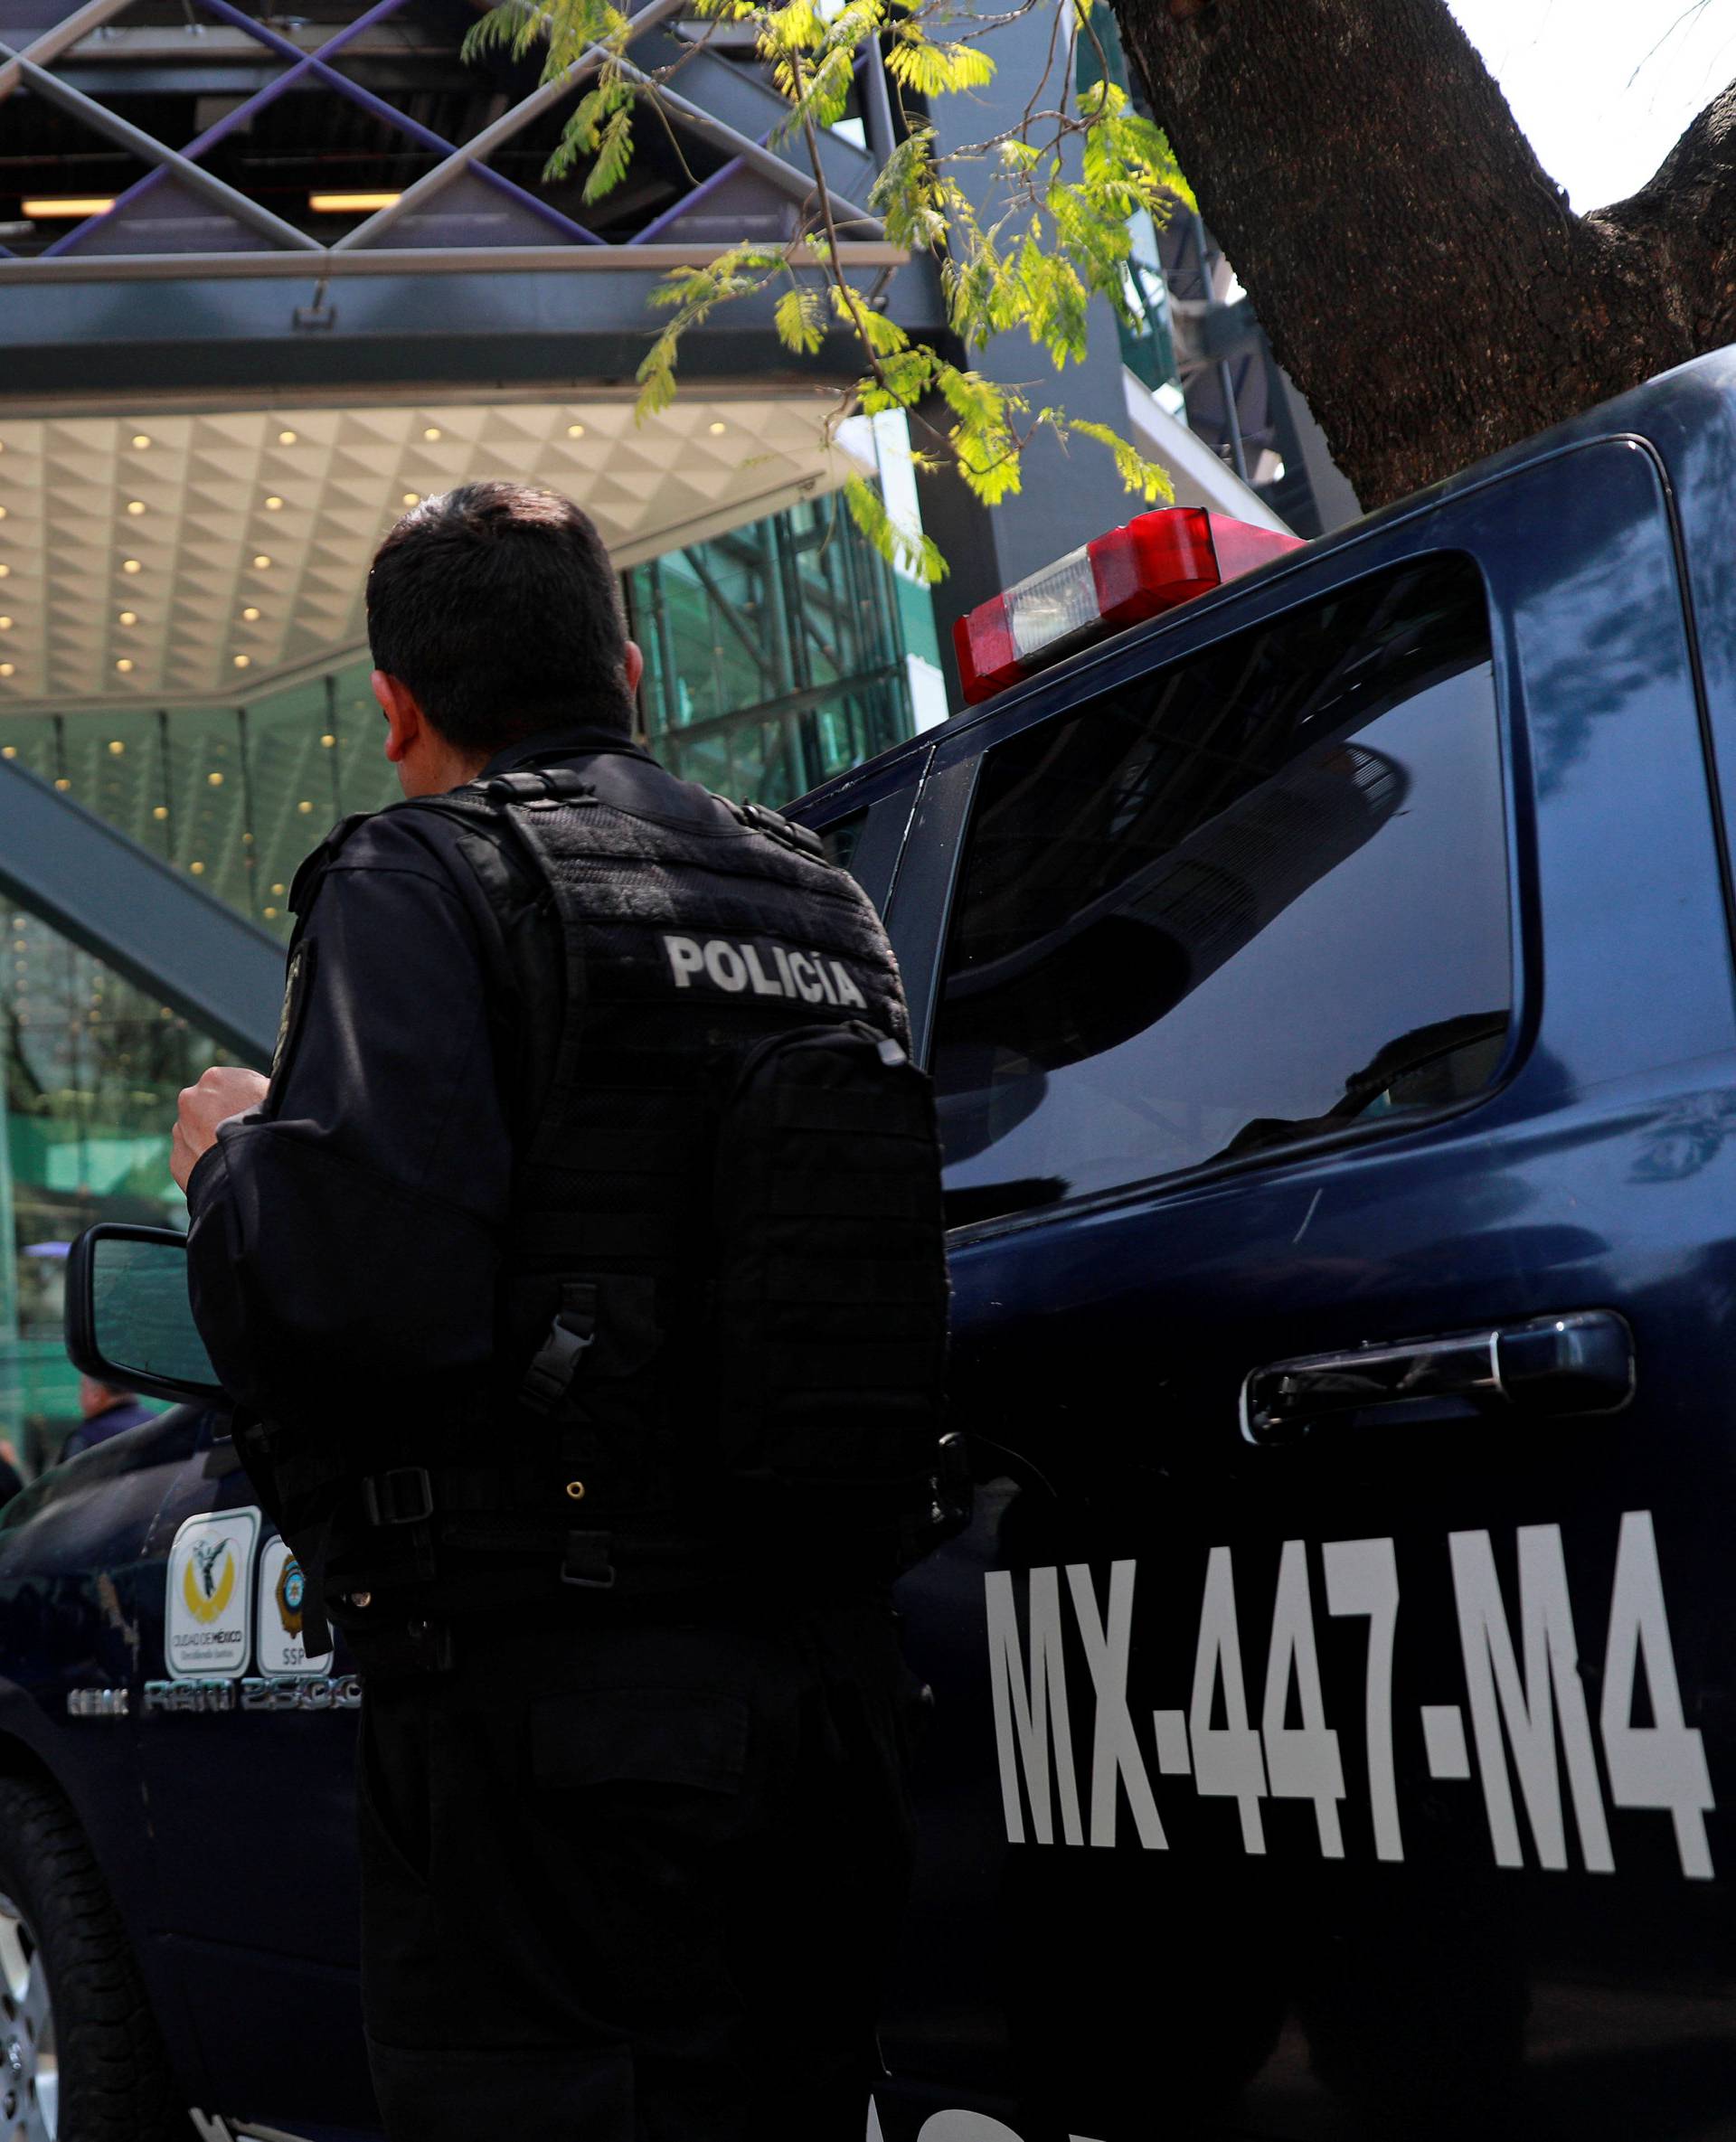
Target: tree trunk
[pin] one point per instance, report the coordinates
(1421, 277)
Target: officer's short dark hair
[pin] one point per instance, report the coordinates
(496, 605)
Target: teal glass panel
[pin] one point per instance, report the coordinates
(93, 1066)
(774, 654)
(234, 796)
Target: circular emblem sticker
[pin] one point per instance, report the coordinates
(291, 1584)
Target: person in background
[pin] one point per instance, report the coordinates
(107, 1410)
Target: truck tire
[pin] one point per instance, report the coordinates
(80, 2057)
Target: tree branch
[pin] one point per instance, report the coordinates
(1679, 231)
(1421, 276)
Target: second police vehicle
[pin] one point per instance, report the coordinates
(1324, 956)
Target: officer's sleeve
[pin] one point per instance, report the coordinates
(344, 1239)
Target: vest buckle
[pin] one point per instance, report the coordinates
(573, 1332)
(404, 1495)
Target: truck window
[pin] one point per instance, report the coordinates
(841, 838)
(1233, 904)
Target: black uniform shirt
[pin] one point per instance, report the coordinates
(344, 1237)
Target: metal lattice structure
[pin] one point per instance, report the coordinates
(182, 205)
(210, 145)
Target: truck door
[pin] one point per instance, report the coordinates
(1333, 1047)
(246, 1749)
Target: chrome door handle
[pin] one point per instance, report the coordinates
(1546, 1368)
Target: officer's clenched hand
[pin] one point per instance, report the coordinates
(223, 1091)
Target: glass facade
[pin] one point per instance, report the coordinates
(774, 654)
(235, 796)
(92, 1069)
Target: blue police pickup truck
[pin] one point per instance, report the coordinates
(1326, 968)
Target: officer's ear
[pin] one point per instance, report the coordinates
(405, 722)
(632, 667)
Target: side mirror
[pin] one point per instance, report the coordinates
(128, 1321)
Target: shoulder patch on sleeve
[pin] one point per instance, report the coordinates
(297, 981)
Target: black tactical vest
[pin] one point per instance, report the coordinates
(721, 1313)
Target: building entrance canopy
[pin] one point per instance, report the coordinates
(201, 556)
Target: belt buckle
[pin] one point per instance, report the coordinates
(402, 1496)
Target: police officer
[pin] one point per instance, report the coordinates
(525, 1271)
(105, 1409)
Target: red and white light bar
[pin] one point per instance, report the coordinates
(1156, 562)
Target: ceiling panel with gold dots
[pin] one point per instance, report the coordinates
(150, 556)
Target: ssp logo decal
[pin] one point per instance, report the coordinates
(208, 1604)
(282, 1595)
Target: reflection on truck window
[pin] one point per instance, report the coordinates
(1244, 900)
(841, 838)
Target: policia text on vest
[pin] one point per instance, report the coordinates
(767, 969)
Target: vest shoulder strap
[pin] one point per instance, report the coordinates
(487, 806)
(313, 865)
(776, 826)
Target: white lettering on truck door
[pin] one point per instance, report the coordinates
(1032, 1707)
(1664, 1764)
(1527, 1707)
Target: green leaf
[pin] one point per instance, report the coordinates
(899, 546)
(656, 377)
(614, 154)
(902, 380)
(1051, 233)
(931, 69)
(1149, 479)
(581, 135)
(911, 196)
(883, 336)
(797, 27)
(800, 320)
(513, 26)
(819, 91)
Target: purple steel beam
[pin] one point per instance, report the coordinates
(705, 186)
(550, 215)
(376, 106)
(313, 65)
(243, 113)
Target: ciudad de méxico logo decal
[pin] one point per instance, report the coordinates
(208, 1581)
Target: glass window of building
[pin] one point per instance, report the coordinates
(93, 1066)
(233, 796)
(774, 654)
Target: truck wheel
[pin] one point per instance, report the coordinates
(81, 2058)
